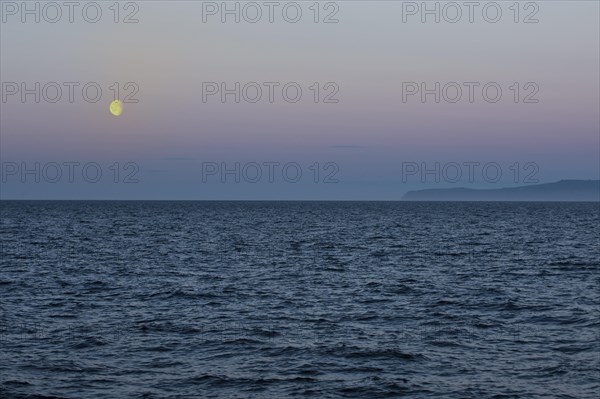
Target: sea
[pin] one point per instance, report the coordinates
(152, 299)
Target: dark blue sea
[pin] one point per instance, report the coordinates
(299, 299)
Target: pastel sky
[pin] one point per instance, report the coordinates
(171, 134)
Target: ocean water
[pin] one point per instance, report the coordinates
(299, 299)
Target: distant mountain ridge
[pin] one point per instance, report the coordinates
(564, 190)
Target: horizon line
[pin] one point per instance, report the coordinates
(277, 200)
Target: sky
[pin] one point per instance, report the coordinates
(295, 101)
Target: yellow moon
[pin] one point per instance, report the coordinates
(116, 107)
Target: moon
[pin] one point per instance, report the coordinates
(116, 107)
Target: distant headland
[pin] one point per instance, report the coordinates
(564, 190)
